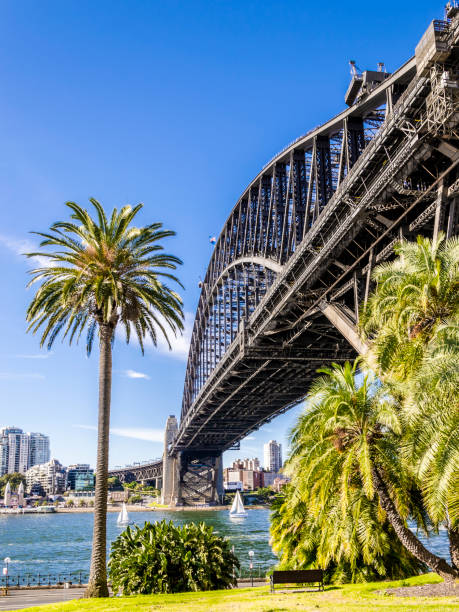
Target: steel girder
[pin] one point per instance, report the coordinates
(308, 231)
(148, 471)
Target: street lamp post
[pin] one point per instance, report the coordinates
(251, 553)
(6, 561)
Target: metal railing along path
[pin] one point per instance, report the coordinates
(41, 580)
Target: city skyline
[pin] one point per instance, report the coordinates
(19, 450)
(157, 147)
(39, 452)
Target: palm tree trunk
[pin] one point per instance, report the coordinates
(97, 586)
(406, 536)
(453, 534)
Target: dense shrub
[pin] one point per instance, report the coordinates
(163, 558)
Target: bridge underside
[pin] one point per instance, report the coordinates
(293, 263)
(263, 381)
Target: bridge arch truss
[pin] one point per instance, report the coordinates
(293, 261)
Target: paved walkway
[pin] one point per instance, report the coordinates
(26, 598)
(18, 599)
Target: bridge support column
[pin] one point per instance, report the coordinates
(169, 489)
(201, 478)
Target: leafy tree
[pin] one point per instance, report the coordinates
(102, 273)
(415, 295)
(135, 499)
(265, 494)
(113, 482)
(357, 545)
(348, 440)
(164, 558)
(412, 324)
(15, 479)
(131, 485)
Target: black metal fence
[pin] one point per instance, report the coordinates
(258, 571)
(81, 578)
(34, 580)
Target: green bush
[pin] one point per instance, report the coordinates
(135, 499)
(164, 558)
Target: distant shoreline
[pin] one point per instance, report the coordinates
(135, 508)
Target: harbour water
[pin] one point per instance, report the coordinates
(53, 543)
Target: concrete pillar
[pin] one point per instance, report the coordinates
(169, 484)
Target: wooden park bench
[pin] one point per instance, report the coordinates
(310, 577)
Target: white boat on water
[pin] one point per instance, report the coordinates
(237, 509)
(123, 517)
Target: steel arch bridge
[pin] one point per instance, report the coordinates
(293, 262)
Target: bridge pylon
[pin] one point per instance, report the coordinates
(190, 477)
(200, 477)
(169, 490)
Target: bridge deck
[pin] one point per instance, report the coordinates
(306, 233)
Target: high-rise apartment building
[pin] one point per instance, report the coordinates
(5, 434)
(272, 456)
(38, 449)
(20, 451)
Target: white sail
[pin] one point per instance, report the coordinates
(237, 509)
(123, 516)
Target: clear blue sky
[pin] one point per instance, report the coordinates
(174, 104)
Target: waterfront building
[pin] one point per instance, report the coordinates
(20, 451)
(272, 451)
(269, 478)
(38, 449)
(15, 450)
(279, 482)
(50, 476)
(247, 464)
(80, 477)
(36, 490)
(250, 479)
(233, 486)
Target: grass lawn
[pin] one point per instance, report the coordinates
(348, 598)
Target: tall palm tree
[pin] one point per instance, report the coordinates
(412, 324)
(103, 273)
(415, 294)
(349, 438)
(356, 544)
(431, 410)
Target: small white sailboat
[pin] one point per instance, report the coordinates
(123, 517)
(237, 509)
